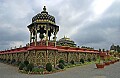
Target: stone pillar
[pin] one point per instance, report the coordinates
(46, 37)
(30, 36)
(10, 56)
(67, 57)
(36, 36)
(78, 57)
(35, 57)
(46, 57)
(55, 38)
(55, 59)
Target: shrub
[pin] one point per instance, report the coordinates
(4, 60)
(61, 66)
(26, 62)
(25, 68)
(89, 60)
(13, 61)
(18, 62)
(8, 61)
(49, 67)
(94, 59)
(21, 66)
(82, 60)
(30, 67)
(62, 61)
(72, 62)
(38, 70)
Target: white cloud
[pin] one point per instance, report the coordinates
(99, 6)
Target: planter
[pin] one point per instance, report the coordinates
(112, 62)
(100, 66)
(107, 63)
(118, 60)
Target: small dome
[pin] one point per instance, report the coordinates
(66, 41)
(43, 16)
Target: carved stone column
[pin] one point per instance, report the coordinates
(55, 38)
(30, 36)
(36, 36)
(55, 58)
(46, 37)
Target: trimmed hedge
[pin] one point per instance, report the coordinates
(94, 59)
(26, 62)
(72, 62)
(21, 66)
(61, 66)
(82, 60)
(13, 61)
(89, 60)
(62, 61)
(49, 67)
(30, 67)
(18, 63)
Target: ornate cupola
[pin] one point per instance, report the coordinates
(44, 25)
(44, 17)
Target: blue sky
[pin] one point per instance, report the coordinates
(94, 23)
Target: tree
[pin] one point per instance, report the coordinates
(103, 50)
(99, 50)
(118, 48)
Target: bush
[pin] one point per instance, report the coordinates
(13, 61)
(18, 62)
(49, 67)
(21, 66)
(4, 60)
(8, 61)
(82, 60)
(89, 60)
(38, 70)
(30, 67)
(62, 61)
(26, 63)
(94, 59)
(61, 66)
(72, 62)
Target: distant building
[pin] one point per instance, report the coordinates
(66, 42)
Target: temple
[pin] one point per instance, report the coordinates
(44, 48)
(66, 42)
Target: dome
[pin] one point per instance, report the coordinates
(66, 41)
(43, 17)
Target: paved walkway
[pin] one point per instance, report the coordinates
(87, 71)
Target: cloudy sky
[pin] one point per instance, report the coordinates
(94, 23)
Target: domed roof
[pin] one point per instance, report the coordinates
(66, 41)
(43, 17)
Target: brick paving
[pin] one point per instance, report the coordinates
(87, 71)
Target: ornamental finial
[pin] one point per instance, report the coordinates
(44, 9)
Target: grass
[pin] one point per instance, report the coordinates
(80, 64)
